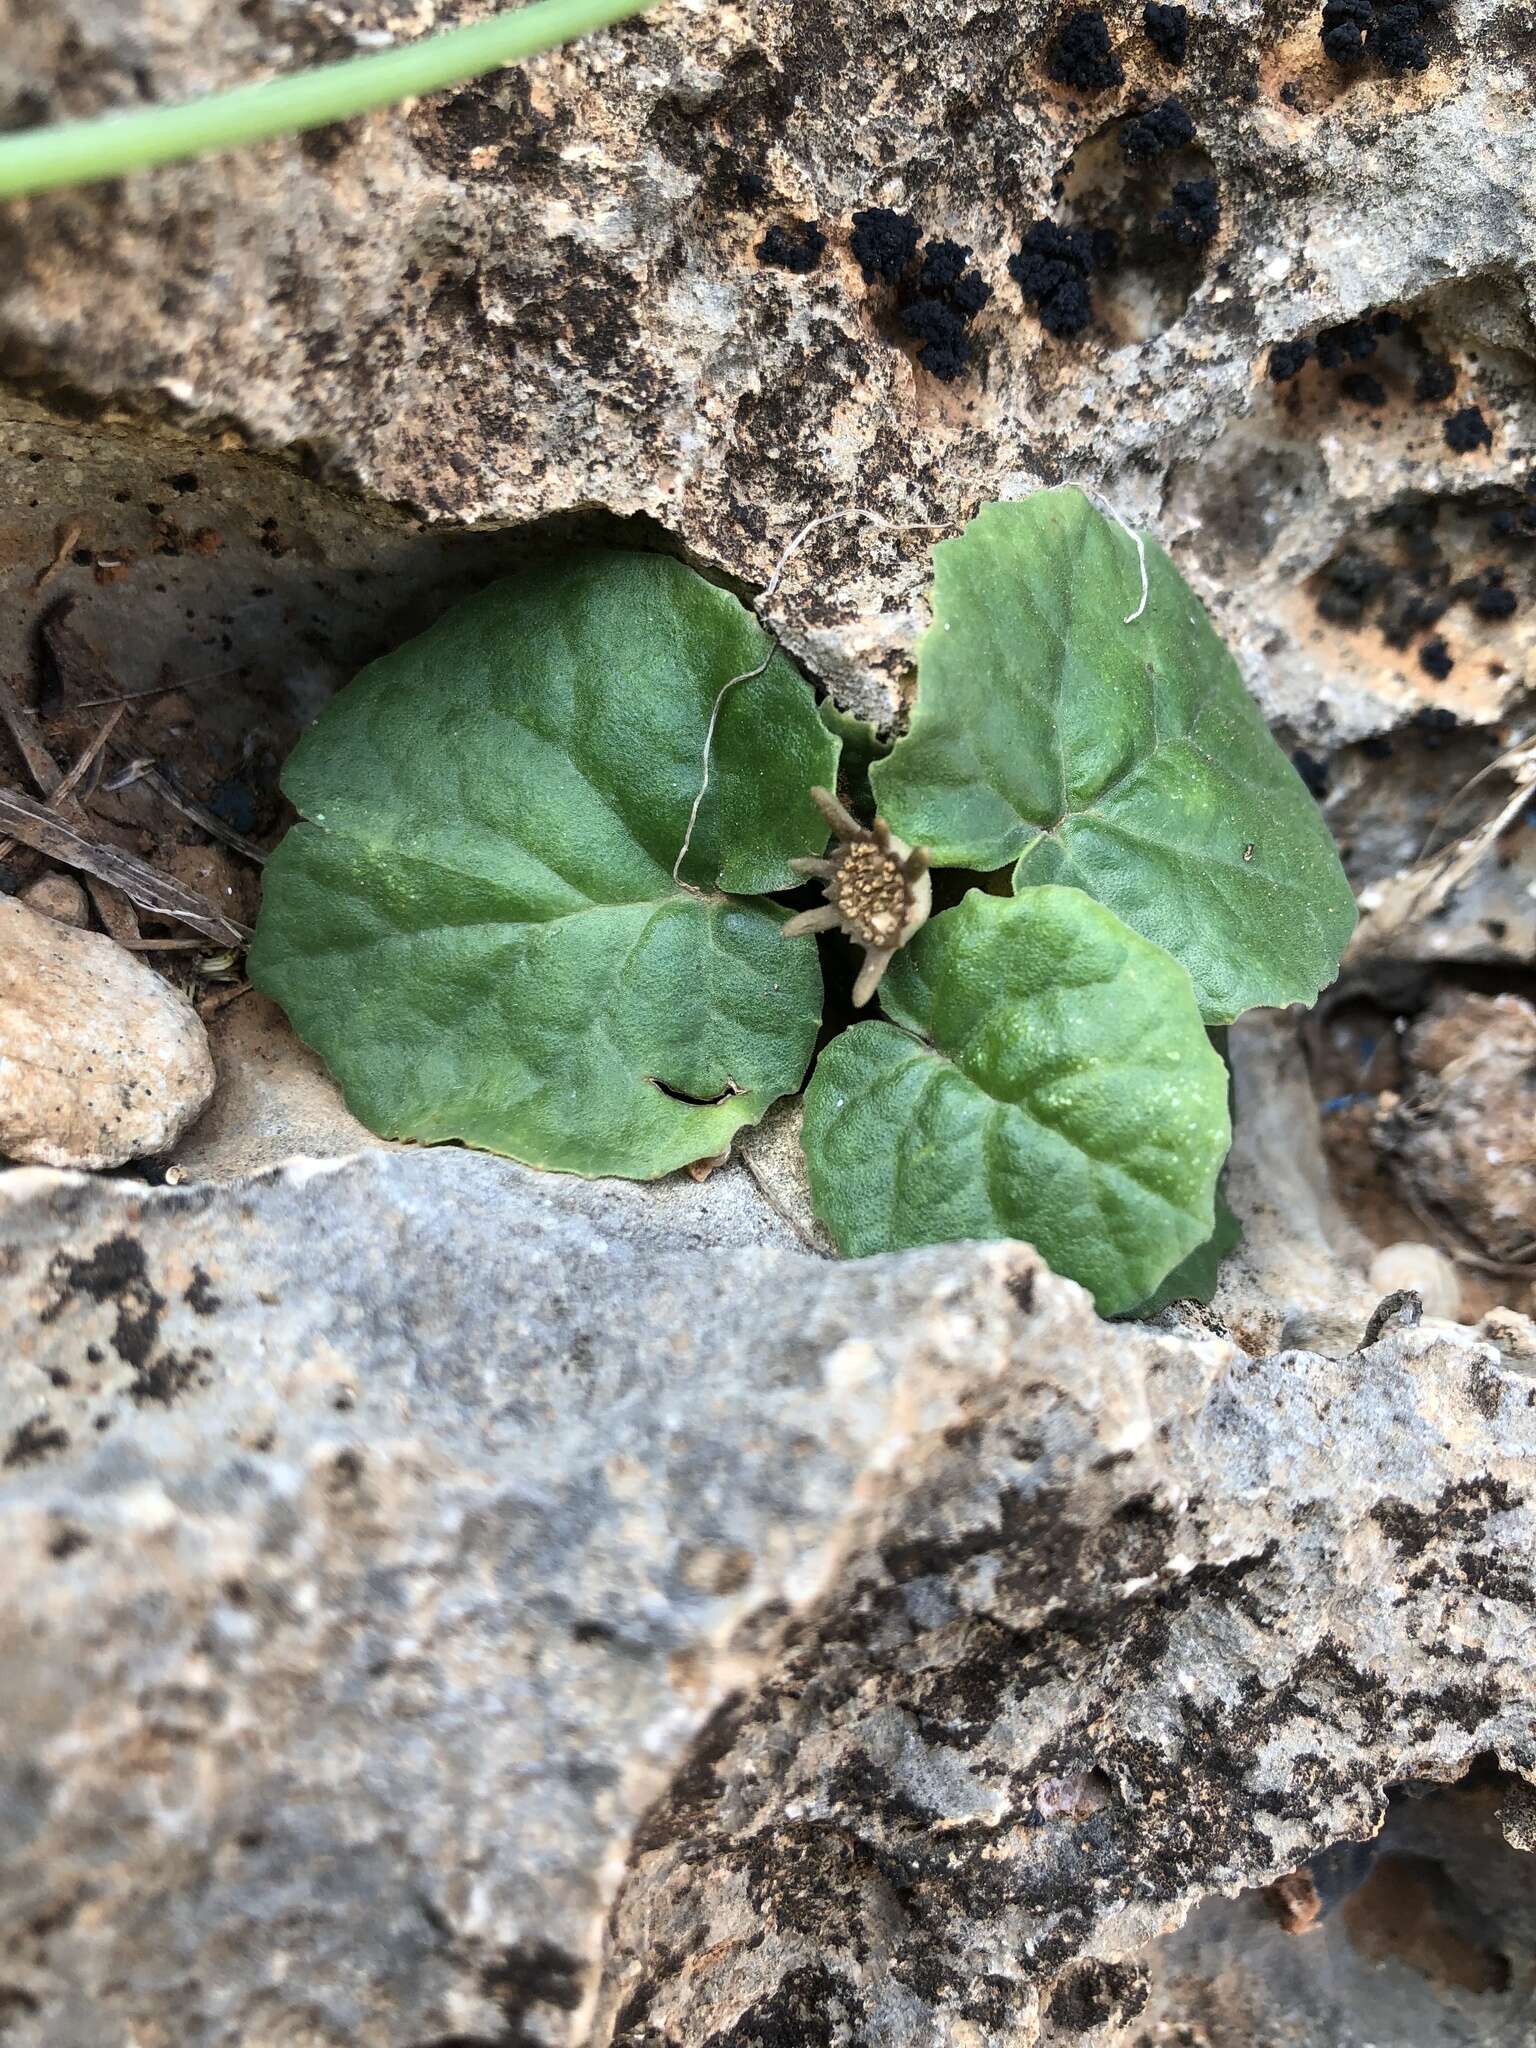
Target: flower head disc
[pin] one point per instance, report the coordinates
(878, 891)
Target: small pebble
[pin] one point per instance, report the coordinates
(57, 896)
(1426, 1270)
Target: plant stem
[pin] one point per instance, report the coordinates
(79, 152)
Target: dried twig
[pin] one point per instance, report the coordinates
(86, 762)
(112, 907)
(59, 799)
(22, 727)
(220, 999)
(70, 844)
(1409, 898)
(68, 540)
(216, 675)
(200, 815)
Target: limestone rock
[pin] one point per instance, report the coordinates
(1462, 1138)
(101, 1060)
(380, 1535)
(1163, 1633)
(385, 1532)
(544, 290)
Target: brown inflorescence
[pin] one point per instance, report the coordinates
(878, 891)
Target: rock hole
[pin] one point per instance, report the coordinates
(1424, 1933)
(1145, 291)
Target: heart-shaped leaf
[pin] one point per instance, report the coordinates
(478, 928)
(1053, 1082)
(1126, 759)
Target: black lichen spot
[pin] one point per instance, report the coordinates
(1364, 389)
(1091, 1994)
(1349, 583)
(946, 348)
(34, 1441)
(946, 298)
(1392, 33)
(1156, 131)
(1396, 37)
(1435, 659)
(1351, 341)
(65, 1542)
(1288, 358)
(1433, 724)
(808, 2008)
(1344, 28)
(883, 242)
(1081, 56)
(1312, 770)
(1492, 597)
(751, 186)
(115, 1271)
(1194, 214)
(1516, 522)
(943, 266)
(797, 247)
(1052, 271)
(1466, 430)
(200, 1297)
(1167, 30)
(164, 1378)
(1437, 380)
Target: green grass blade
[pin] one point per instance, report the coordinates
(80, 152)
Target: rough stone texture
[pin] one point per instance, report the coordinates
(1434, 1948)
(1462, 1140)
(384, 1531)
(1166, 1631)
(380, 1534)
(541, 291)
(101, 1061)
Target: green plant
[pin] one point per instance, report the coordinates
(488, 929)
(80, 152)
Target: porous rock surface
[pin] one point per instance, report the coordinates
(101, 1060)
(383, 1534)
(1169, 1630)
(542, 291)
(380, 1533)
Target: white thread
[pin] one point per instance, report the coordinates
(1137, 542)
(751, 674)
(796, 543)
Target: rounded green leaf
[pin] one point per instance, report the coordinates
(477, 926)
(1125, 759)
(1053, 1082)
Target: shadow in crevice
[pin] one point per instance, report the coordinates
(1146, 289)
(1424, 1934)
